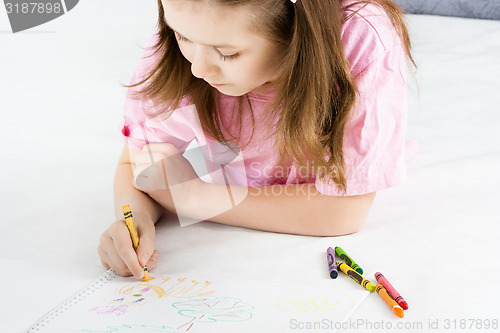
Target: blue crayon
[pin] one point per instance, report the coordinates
(330, 254)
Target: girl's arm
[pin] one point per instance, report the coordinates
(144, 209)
(115, 248)
(295, 209)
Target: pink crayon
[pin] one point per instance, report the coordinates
(390, 289)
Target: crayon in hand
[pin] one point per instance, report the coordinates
(398, 311)
(146, 277)
(129, 221)
(356, 276)
(342, 255)
(330, 255)
(391, 291)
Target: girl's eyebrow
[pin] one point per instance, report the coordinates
(222, 46)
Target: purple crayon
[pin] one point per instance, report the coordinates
(330, 254)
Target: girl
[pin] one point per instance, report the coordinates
(298, 106)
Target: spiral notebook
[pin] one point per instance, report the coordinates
(187, 304)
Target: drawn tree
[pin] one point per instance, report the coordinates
(213, 309)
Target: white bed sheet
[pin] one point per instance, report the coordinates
(436, 237)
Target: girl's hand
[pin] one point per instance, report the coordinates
(162, 172)
(117, 252)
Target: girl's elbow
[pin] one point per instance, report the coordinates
(348, 218)
(334, 227)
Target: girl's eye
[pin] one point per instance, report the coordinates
(228, 57)
(222, 56)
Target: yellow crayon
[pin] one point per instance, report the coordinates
(129, 221)
(398, 311)
(356, 276)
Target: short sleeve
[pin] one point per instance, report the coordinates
(375, 138)
(140, 127)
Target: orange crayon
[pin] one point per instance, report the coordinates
(398, 311)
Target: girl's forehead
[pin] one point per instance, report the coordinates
(201, 19)
(209, 12)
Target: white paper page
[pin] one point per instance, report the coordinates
(188, 304)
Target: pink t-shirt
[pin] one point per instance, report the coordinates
(374, 145)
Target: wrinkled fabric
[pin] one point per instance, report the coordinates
(479, 9)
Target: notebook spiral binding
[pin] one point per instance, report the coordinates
(72, 300)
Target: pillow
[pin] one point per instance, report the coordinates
(482, 9)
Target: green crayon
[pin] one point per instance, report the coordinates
(342, 255)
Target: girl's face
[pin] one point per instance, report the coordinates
(220, 47)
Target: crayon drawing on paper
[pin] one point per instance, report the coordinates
(180, 304)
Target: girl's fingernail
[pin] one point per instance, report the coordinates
(144, 260)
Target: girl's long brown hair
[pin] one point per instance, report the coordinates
(315, 90)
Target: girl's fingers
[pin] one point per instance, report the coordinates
(105, 265)
(152, 262)
(116, 249)
(106, 244)
(146, 247)
(110, 259)
(118, 264)
(125, 257)
(104, 260)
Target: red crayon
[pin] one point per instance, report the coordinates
(390, 289)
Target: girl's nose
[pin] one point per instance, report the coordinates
(202, 65)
